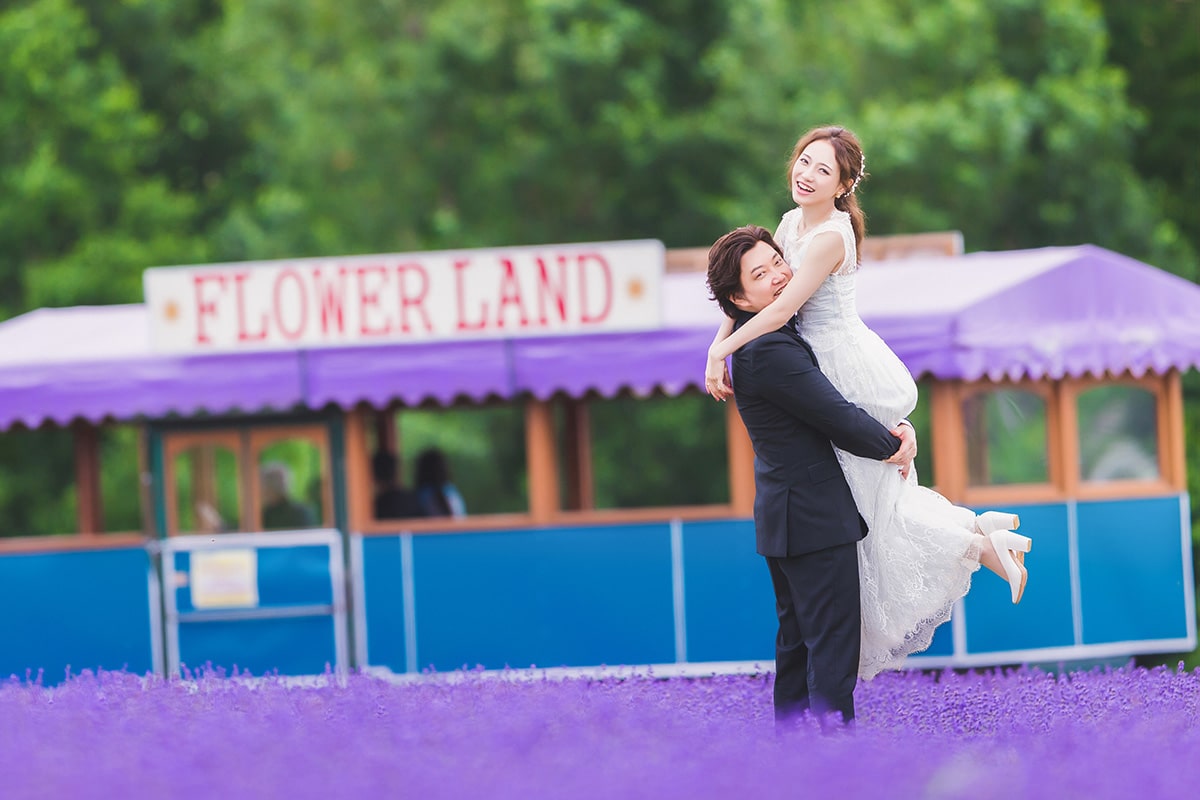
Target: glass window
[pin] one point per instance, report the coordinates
(659, 451)
(1006, 437)
(1118, 434)
(207, 499)
(291, 485)
(450, 462)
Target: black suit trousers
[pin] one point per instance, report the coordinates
(817, 647)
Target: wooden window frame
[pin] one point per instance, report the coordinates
(947, 437)
(259, 439)
(544, 501)
(176, 443)
(246, 443)
(360, 486)
(949, 441)
(1168, 433)
(578, 441)
(1049, 490)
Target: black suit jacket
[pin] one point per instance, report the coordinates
(794, 416)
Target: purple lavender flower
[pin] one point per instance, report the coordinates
(1016, 734)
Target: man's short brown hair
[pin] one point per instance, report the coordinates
(725, 263)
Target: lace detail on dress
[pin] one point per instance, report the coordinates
(922, 550)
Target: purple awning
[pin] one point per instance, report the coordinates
(439, 371)
(1051, 312)
(669, 360)
(58, 364)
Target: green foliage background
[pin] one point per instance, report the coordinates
(137, 133)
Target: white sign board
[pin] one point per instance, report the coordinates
(224, 578)
(327, 302)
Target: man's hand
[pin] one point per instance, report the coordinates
(908, 447)
(716, 379)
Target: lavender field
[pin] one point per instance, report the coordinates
(1105, 733)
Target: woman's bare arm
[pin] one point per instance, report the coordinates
(823, 257)
(714, 384)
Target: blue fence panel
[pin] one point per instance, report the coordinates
(728, 596)
(272, 602)
(288, 646)
(1131, 571)
(1044, 616)
(87, 609)
(383, 602)
(548, 597)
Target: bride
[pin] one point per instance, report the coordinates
(922, 549)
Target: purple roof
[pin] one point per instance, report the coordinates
(1039, 313)
(1052, 312)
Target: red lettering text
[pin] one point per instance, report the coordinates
(331, 297)
(584, 316)
(460, 294)
(510, 295)
(555, 293)
(413, 299)
(299, 302)
(205, 308)
(368, 301)
(244, 332)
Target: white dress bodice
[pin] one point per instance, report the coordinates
(856, 361)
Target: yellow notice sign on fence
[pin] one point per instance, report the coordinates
(224, 578)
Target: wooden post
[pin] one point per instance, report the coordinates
(359, 482)
(741, 462)
(1064, 437)
(948, 436)
(89, 511)
(581, 489)
(1172, 431)
(541, 460)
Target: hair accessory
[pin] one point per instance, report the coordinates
(862, 170)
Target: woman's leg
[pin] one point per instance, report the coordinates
(989, 559)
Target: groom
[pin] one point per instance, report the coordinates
(805, 520)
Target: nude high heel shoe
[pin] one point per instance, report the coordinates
(992, 521)
(1006, 544)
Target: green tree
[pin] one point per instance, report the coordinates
(83, 211)
(1002, 120)
(427, 125)
(1158, 46)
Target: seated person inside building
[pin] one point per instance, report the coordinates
(437, 496)
(392, 500)
(281, 511)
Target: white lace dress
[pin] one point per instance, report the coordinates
(921, 551)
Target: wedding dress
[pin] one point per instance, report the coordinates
(921, 550)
